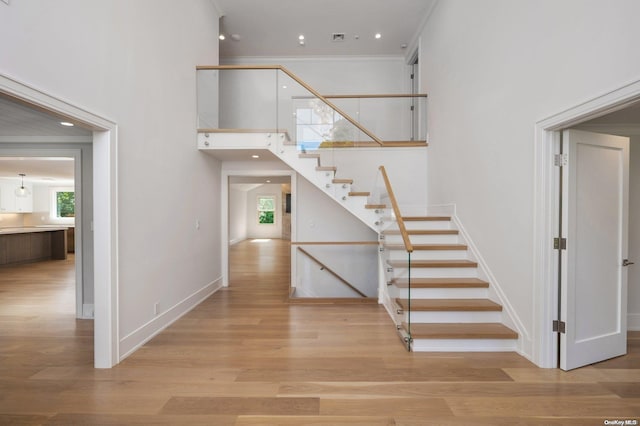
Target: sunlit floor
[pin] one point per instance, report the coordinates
(246, 357)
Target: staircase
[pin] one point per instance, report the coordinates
(440, 299)
(445, 304)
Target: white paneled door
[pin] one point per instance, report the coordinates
(594, 276)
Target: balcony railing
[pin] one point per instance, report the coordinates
(272, 97)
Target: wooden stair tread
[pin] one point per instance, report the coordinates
(375, 206)
(433, 263)
(349, 181)
(307, 155)
(461, 331)
(423, 232)
(326, 168)
(466, 305)
(427, 246)
(404, 144)
(440, 283)
(359, 194)
(426, 218)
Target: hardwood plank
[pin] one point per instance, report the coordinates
(440, 283)
(245, 405)
(433, 263)
(361, 420)
(422, 407)
(461, 331)
(449, 305)
(427, 247)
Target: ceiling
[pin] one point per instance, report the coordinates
(22, 123)
(272, 28)
(624, 122)
(44, 170)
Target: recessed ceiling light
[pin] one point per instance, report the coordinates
(221, 37)
(301, 37)
(378, 35)
(268, 181)
(66, 123)
(255, 156)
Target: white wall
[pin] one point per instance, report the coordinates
(134, 62)
(492, 70)
(633, 306)
(261, 230)
(237, 215)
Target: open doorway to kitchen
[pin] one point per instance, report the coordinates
(97, 144)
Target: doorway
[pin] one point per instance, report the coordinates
(257, 206)
(103, 226)
(591, 116)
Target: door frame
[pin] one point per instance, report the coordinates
(105, 213)
(546, 211)
(76, 153)
(224, 191)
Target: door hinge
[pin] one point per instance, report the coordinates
(559, 326)
(411, 76)
(411, 107)
(559, 243)
(560, 160)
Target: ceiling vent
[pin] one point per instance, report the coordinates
(337, 37)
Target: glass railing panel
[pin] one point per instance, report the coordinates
(335, 270)
(207, 97)
(396, 251)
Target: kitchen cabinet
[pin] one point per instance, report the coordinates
(10, 203)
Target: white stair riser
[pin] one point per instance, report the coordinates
(428, 224)
(424, 239)
(429, 254)
(464, 345)
(454, 316)
(442, 293)
(436, 272)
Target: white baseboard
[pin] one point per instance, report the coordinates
(134, 340)
(236, 241)
(633, 322)
(87, 311)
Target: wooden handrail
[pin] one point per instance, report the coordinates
(300, 82)
(342, 280)
(334, 243)
(370, 96)
(396, 211)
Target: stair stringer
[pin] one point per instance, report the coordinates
(509, 316)
(336, 191)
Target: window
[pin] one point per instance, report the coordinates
(267, 209)
(63, 204)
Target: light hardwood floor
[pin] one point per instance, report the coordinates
(247, 357)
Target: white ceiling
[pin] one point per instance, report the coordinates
(43, 170)
(21, 123)
(271, 28)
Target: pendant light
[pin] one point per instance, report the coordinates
(22, 191)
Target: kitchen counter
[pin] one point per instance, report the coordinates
(31, 244)
(29, 229)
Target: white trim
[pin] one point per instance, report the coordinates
(46, 139)
(137, 338)
(633, 322)
(510, 316)
(87, 311)
(105, 213)
(274, 60)
(545, 211)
